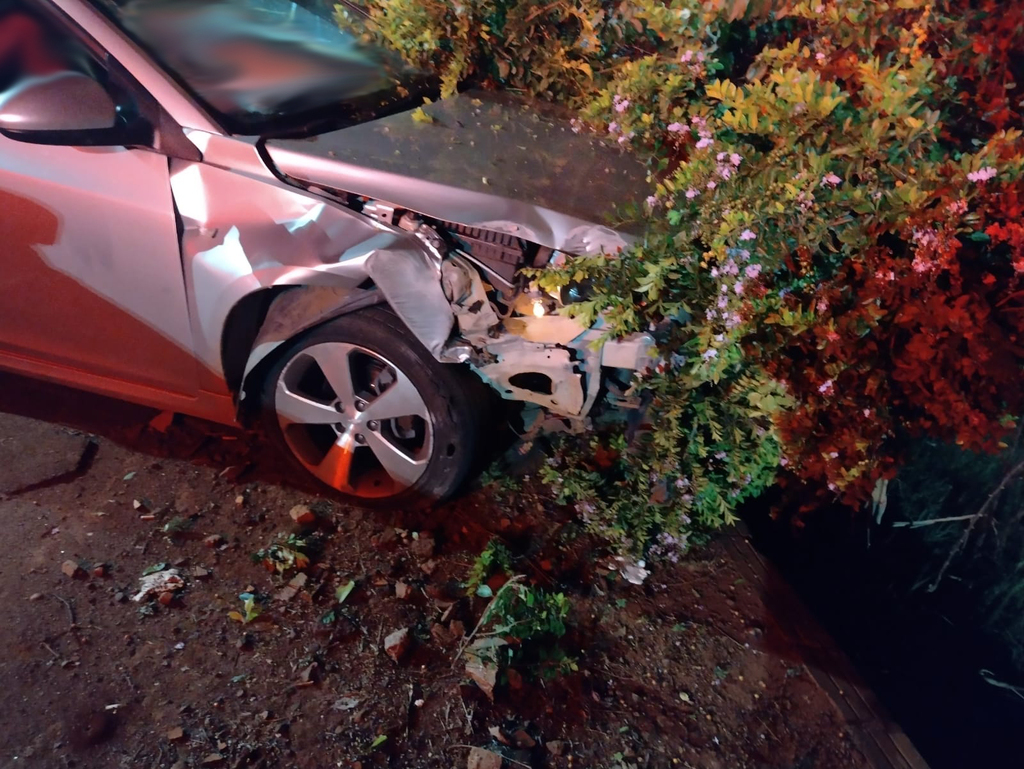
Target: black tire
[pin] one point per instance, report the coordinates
(450, 394)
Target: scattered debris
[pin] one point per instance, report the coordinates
(72, 569)
(252, 611)
(295, 584)
(158, 582)
(398, 644)
(556, 747)
(521, 739)
(214, 540)
(35, 597)
(198, 572)
(402, 590)
(302, 514)
(212, 759)
(175, 734)
(344, 591)
(481, 667)
(345, 703)
(423, 545)
(99, 570)
(483, 759)
(140, 506)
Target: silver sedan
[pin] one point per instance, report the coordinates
(225, 209)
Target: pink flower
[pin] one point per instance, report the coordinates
(753, 270)
(622, 106)
(712, 185)
(710, 353)
(830, 180)
(981, 176)
(819, 56)
(687, 56)
(692, 193)
(738, 288)
(747, 235)
(675, 127)
(714, 272)
(623, 139)
(652, 200)
(704, 143)
(735, 159)
(613, 127)
(826, 388)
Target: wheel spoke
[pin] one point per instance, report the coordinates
(334, 362)
(298, 409)
(401, 399)
(335, 468)
(403, 468)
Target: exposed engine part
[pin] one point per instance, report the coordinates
(502, 253)
(382, 212)
(429, 236)
(632, 352)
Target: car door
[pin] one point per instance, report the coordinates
(90, 271)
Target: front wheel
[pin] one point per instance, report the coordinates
(363, 407)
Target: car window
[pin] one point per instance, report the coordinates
(262, 64)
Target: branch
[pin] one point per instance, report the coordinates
(1010, 475)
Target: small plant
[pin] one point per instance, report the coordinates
(288, 552)
(250, 609)
(341, 594)
(494, 558)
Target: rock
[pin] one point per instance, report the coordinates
(35, 597)
(212, 759)
(302, 514)
(165, 598)
(428, 567)
(402, 590)
(484, 675)
(99, 570)
(398, 644)
(556, 748)
(162, 421)
(295, 584)
(483, 759)
(72, 569)
(139, 505)
(240, 501)
(423, 546)
(175, 734)
(521, 739)
(198, 572)
(214, 540)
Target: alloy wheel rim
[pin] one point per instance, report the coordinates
(354, 419)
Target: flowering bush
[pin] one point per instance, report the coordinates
(834, 243)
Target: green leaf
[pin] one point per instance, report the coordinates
(154, 568)
(379, 740)
(344, 591)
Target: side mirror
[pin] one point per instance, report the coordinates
(65, 108)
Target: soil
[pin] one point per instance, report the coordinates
(690, 669)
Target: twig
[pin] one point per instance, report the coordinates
(69, 607)
(487, 614)
(930, 522)
(1010, 475)
(50, 649)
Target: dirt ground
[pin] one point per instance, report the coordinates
(689, 670)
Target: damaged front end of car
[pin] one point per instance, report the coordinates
(511, 334)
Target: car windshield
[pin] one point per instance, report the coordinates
(269, 66)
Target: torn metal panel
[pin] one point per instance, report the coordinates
(535, 373)
(465, 290)
(276, 235)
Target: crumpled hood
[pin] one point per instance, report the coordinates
(485, 161)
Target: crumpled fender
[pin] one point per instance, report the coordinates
(405, 279)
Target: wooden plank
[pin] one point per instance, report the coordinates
(880, 738)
